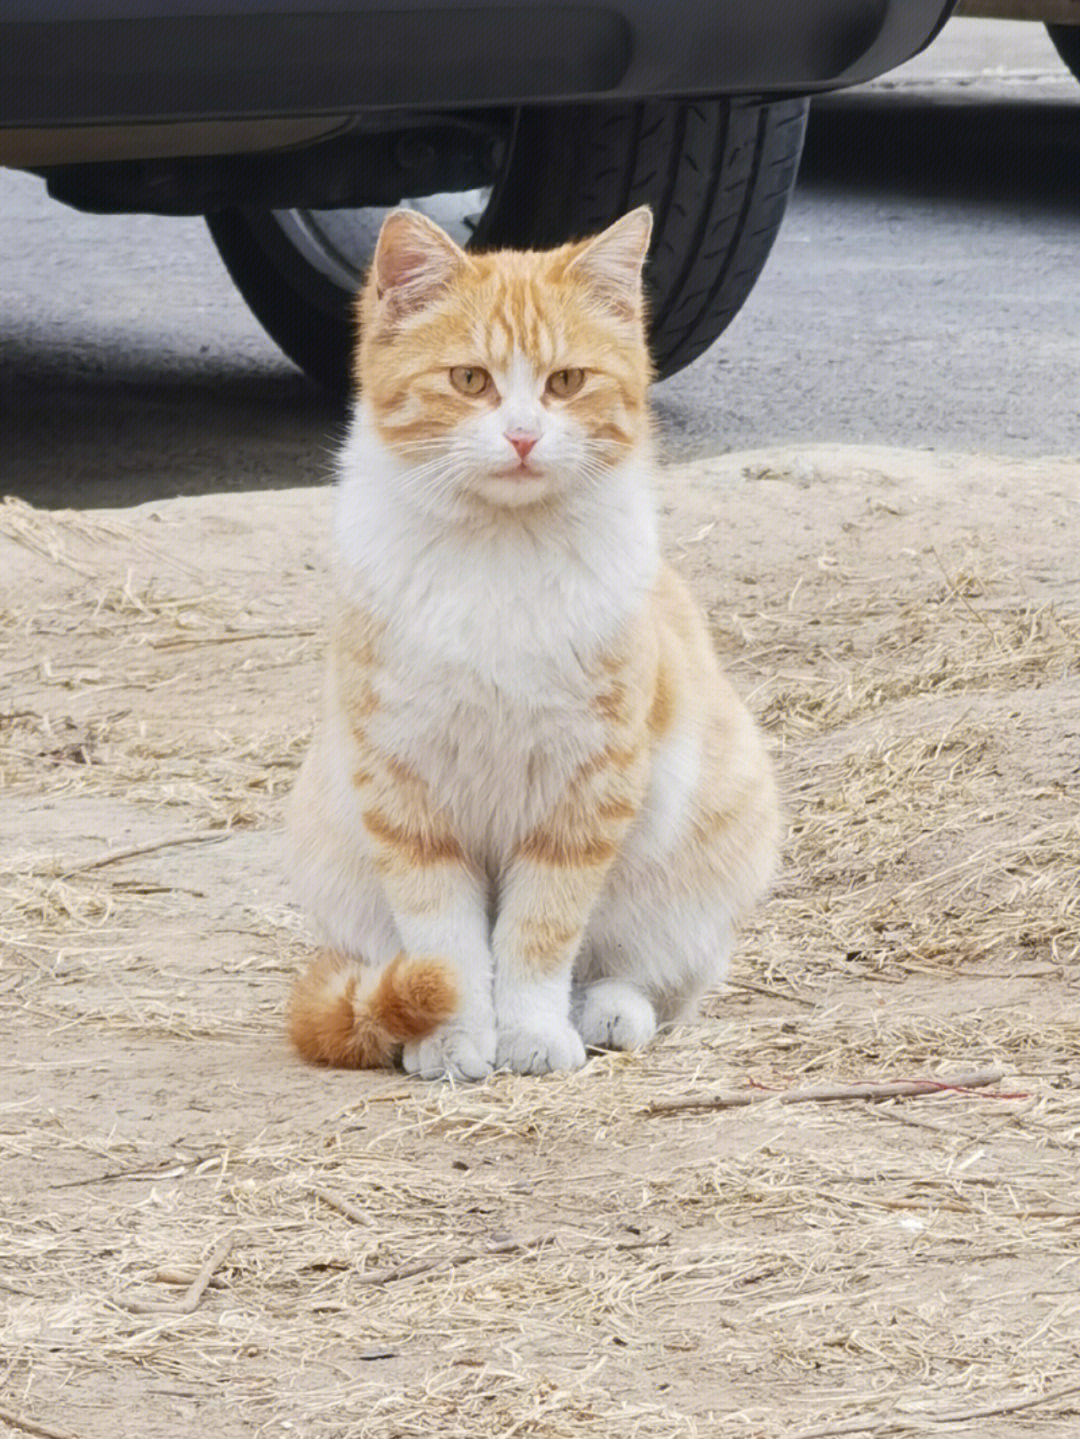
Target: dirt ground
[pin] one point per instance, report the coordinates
(556, 1257)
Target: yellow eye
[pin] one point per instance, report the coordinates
(469, 380)
(564, 383)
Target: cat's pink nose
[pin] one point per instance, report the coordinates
(522, 441)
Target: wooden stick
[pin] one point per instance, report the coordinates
(771, 993)
(825, 1093)
(501, 1246)
(897, 1424)
(342, 1206)
(187, 641)
(218, 1255)
(1008, 1406)
(138, 849)
(31, 1426)
(191, 1299)
(463, 1256)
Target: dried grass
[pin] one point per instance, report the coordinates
(940, 649)
(49, 532)
(541, 1258)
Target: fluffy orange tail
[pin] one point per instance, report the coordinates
(346, 1014)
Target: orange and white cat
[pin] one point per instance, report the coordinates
(534, 807)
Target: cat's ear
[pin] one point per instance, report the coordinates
(414, 262)
(612, 262)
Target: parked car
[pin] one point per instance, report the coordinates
(293, 124)
(1061, 18)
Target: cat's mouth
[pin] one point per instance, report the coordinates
(523, 471)
(514, 485)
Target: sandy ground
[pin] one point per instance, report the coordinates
(552, 1258)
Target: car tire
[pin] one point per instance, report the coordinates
(717, 174)
(1066, 40)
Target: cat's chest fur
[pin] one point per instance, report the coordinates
(494, 757)
(488, 650)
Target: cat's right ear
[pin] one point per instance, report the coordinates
(414, 263)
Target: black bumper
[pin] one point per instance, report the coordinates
(65, 62)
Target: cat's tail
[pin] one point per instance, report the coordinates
(350, 1015)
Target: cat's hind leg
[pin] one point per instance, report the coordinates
(613, 1014)
(646, 962)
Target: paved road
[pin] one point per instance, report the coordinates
(925, 290)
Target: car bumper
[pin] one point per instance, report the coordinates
(103, 62)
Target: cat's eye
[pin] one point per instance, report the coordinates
(469, 380)
(564, 383)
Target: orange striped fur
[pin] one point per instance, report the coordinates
(345, 1015)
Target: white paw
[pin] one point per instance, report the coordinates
(452, 1053)
(616, 1016)
(540, 1049)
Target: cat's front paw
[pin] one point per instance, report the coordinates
(452, 1052)
(540, 1049)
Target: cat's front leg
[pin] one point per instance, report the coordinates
(465, 1046)
(547, 897)
(440, 909)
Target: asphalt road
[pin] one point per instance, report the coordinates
(925, 291)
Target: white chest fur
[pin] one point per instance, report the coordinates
(490, 627)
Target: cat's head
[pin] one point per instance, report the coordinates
(507, 378)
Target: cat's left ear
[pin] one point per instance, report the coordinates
(612, 262)
(414, 262)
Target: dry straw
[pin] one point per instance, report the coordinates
(584, 1256)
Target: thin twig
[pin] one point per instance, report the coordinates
(824, 1093)
(463, 1256)
(501, 1246)
(118, 854)
(928, 1206)
(653, 1241)
(186, 641)
(172, 1171)
(771, 993)
(181, 1278)
(192, 1298)
(897, 1424)
(218, 1255)
(31, 1426)
(342, 1206)
(1007, 1406)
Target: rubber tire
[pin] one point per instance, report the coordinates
(1066, 40)
(717, 173)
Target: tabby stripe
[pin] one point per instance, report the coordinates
(422, 848)
(567, 852)
(611, 757)
(616, 809)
